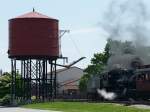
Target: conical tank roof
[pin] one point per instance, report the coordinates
(33, 14)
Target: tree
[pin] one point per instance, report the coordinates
(98, 63)
(5, 84)
(83, 82)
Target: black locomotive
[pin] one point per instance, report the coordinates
(125, 83)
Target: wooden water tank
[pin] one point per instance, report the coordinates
(33, 35)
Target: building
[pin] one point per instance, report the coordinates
(68, 81)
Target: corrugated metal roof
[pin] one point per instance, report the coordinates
(33, 15)
(65, 69)
(70, 81)
(66, 87)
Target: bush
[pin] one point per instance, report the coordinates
(6, 100)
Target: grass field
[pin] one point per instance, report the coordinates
(83, 107)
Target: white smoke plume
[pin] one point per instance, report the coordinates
(128, 20)
(106, 95)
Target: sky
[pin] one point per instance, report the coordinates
(81, 17)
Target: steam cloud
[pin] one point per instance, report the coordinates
(106, 95)
(128, 20)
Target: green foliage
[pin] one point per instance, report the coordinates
(83, 82)
(98, 63)
(5, 87)
(5, 84)
(6, 100)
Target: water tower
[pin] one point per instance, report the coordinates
(34, 50)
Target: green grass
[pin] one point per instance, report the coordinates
(83, 107)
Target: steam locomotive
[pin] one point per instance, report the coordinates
(126, 82)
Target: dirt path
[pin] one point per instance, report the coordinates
(140, 106)
(18, 109)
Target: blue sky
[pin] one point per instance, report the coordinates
(81, 17)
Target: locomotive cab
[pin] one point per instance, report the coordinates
(143, 79)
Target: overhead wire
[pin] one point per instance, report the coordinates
(76, 47)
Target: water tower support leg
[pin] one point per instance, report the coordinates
(13, 81)
(51, 80)
(55, 85)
